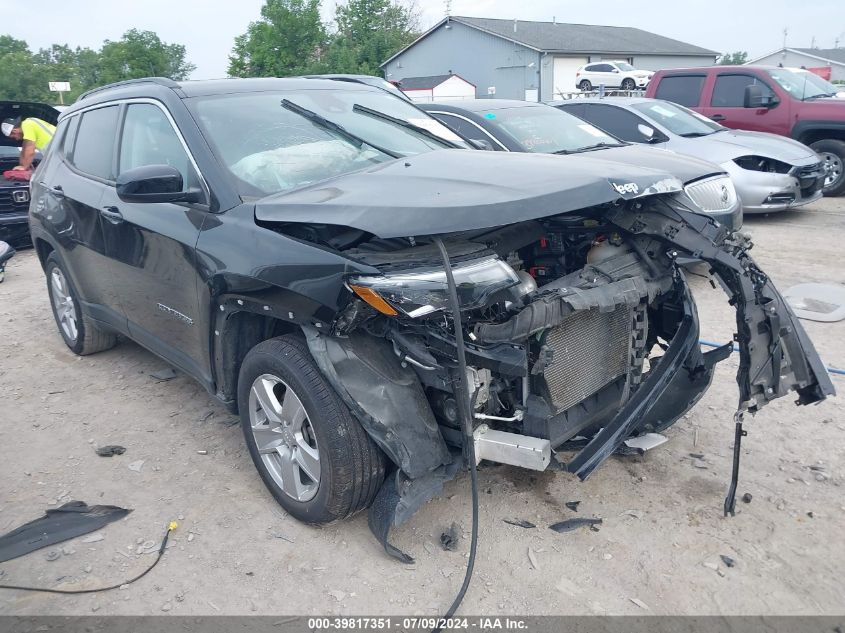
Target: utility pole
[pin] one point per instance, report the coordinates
(448, 8)
(785, 32)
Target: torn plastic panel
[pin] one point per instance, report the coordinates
(386, 397)
(776, 355)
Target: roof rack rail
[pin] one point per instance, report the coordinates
(161, 81)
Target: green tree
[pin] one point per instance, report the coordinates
(368, 32)
(287, 40)
(142, 54)
(733, 59)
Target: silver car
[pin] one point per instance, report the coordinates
(770, 173)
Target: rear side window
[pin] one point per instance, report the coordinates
(729, 91)
(94, 148)
(621, 123)
(149, 139)
(70, 136)
(682, 89)
(465, 128)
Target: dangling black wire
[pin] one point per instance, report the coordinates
(466, 419)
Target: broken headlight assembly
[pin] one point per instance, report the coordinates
(417, 294)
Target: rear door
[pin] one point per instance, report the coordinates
(725, 104)
(151, 245)
(69, 194)
(685, 90)
(616, 121)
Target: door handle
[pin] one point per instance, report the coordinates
(56, 191)
(718, 117)
(112, 214)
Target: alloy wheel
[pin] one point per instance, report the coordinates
(284, 437)
(63, 304)
(833, 168)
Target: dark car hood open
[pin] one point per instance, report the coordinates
(25, 109)
(446, 191)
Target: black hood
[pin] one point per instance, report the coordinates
(684, 167)
(446, 191)
(23, 110)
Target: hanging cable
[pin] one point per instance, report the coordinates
(466, 422)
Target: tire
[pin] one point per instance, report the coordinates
(833, 158)
(350, 466)
(585, 85)
(84, 337)
(628, 84)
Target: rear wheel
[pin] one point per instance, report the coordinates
(585, 85)
(832, 153)
(629, 84)
(314, 457)
(79, 332)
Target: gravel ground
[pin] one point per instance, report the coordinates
(236, 552)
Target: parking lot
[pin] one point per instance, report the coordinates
(658, 551)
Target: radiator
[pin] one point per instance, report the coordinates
(589, 350)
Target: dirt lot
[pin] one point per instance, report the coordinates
(236, 552)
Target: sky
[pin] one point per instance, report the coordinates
(207, 28)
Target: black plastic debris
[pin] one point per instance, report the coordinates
(729, 562)
(746, 498)
(573, 524)
(697, 455)
(572, 505)
(111, 449)
(519, 523)
(164, 374)
(73, 519)
(449, 539)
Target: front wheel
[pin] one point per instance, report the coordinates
(585, 85)
(628, 84)
(832, 153)
(314, 457)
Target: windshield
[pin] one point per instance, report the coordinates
(547, 130)
(677, 119)
(270, 148)
(799, 85)
(819, 82)
(624, 66)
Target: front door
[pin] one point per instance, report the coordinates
(727, 100)
(151, 245)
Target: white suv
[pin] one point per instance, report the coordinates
(613, 74)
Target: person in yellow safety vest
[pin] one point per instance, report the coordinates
(35, 134)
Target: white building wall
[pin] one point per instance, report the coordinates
(454, 88)
(796, 60)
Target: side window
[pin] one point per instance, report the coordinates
(604, 68)
(681, 89)
(148, 138)
(465, 128)
(94, 147)
(616, 121)
(729, 91)
(72, 125)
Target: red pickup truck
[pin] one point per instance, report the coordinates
(764, 99)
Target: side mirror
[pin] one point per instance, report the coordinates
(480, 143)
(154, 183)
(616, 70)
(754, 98)
(646, 131)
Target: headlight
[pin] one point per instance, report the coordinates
(418, 294)
(713, 195)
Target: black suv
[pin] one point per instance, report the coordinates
(287, 243)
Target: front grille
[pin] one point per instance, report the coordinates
(590, 349)
(8, 204)
(713, 194)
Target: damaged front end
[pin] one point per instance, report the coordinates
(576, 326)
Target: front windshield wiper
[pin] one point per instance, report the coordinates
(698, 134)
(338, 129)
(819, 96)
(403, 123)
(589, 148)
